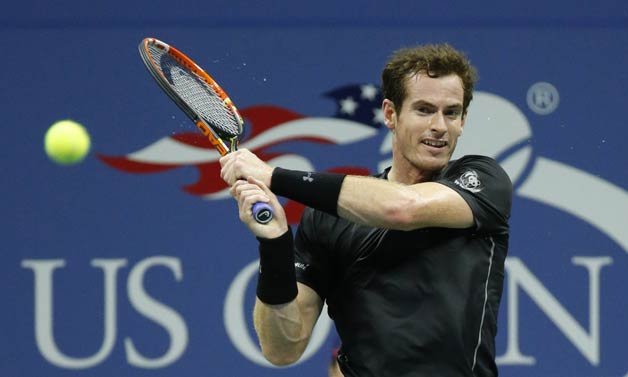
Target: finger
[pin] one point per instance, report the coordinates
(246, 203)
(226, 171)
(243, 190)
(233, 190)
(241, 185)
(246, 192)
(225, 159)
(274, 202)
(259, 183)
(235, 167)
(249, 200)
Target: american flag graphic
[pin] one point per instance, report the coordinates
(280, 137)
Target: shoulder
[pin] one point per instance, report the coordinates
(475, 160)
(470, 167)
(486, 187)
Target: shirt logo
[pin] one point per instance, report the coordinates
(301, 266)
(308, 177)
(470, 181)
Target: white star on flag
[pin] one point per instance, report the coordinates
(358, 103)
(348, 106)
(378, 116)
(369, 92)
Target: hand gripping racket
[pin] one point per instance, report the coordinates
(201, 98)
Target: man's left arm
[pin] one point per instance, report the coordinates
(384, 204)
(365, 200)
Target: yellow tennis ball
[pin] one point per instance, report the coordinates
(66, 142)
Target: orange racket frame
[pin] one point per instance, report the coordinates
(213, 136)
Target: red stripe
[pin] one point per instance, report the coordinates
(264, 117)
(126, 165)
(194, 139)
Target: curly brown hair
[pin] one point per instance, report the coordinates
(435, 60)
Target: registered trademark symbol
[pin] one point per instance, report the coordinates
(543, 98)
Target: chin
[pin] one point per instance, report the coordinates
(432, 164)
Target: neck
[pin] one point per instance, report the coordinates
(410, 178)
(405, 173)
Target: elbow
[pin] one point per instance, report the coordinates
(402, 212)
(281, 359)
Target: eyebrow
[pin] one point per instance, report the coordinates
(456, 106)
(423, 103)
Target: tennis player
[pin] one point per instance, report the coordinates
(411, 261)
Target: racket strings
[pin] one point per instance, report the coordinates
(198, 94)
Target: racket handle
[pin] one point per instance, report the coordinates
(262, 212)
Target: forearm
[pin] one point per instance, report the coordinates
(285, 311)
(377, 203)
(391, 205)
(365, 200)
(281, 331)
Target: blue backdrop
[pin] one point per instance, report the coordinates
(133, 262)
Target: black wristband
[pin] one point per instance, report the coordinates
(277, 280)
(316, 190)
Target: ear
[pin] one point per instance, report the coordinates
(464, 118)
(390, 116)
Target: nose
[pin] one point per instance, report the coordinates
(438, 123)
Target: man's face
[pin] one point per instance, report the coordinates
(427, 127)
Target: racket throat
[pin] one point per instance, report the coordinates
(220, 145)
(233, 144)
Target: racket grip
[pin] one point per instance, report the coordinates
(262, 212)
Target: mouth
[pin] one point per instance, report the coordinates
(434, 143)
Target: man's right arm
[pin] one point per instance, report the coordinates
(285, 319)
(284, 330)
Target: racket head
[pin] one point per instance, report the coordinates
(195, 92)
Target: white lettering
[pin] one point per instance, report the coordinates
(588, 343)
(43, 270)
(152, 309)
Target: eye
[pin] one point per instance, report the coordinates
(453, 113)
(424, 110)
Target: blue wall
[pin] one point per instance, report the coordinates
(144, 217)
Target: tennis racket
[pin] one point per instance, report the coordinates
(201, 99)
